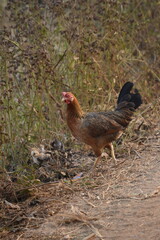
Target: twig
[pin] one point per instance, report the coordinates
(20, 236)
(90, 237)
(58, 105)
(137, 153)
(37, 186)
(89, 202)
(61, 58)
(95, 230)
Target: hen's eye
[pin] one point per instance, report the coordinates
(68, 95)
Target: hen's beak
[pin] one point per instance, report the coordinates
(63, 98)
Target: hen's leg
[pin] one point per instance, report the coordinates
(112, 152)
(96, 162)
(99, 158)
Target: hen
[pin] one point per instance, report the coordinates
(100, 129)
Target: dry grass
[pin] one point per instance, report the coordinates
(72, 47)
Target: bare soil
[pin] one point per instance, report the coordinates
(119, 202)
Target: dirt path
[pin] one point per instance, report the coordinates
(123, 204)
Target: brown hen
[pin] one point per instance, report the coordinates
(100, 129)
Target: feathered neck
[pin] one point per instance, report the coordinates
(74, 109)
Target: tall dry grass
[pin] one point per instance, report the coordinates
(88, 47)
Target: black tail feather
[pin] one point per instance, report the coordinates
(127, 87)
(126, 96)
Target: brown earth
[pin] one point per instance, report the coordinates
(127, 209)
(120, 202)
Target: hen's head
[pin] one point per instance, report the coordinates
(68, 97)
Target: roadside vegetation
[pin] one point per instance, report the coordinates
(88, 47)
